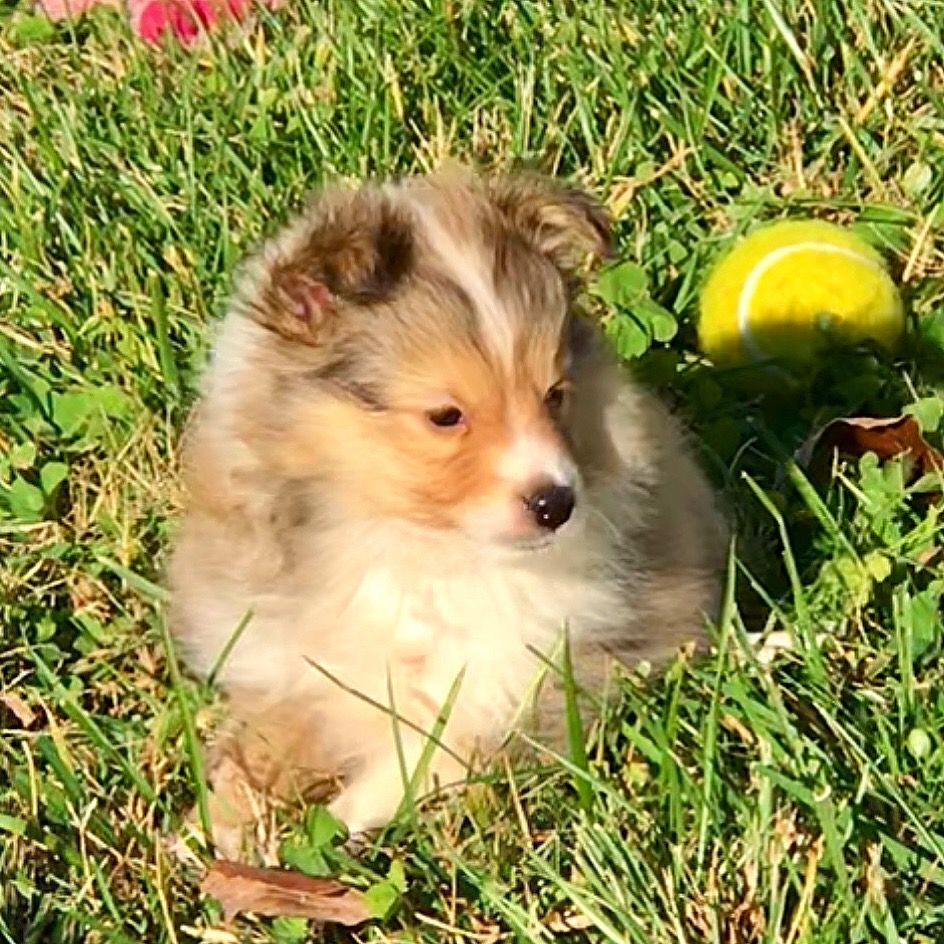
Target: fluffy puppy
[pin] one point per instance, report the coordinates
(413, 468)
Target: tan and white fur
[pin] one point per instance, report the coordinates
(402, 370)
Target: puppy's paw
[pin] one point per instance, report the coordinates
(237, 812)
(363, 809)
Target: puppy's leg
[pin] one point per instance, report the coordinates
(374, 793)
(263, 752)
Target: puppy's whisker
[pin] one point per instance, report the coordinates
(611, 526)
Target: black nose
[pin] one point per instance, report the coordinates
(551, 505)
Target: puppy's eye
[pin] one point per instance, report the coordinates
(445, 416)
(554, 398)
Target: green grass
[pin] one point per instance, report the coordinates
(793, 799)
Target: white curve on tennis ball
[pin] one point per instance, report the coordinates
(769, 261)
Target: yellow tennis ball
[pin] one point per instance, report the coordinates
(791, 289)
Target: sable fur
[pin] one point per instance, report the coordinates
(381, 555)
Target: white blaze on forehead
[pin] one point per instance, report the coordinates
(531, 459)
(471, 269)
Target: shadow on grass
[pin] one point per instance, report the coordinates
(749, 422)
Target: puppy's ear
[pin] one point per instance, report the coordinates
(346, 249)
(563, 222)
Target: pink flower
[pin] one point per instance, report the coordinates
(58, 10)
(153, 20)
(184, 19)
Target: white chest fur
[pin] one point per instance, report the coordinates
(383, 611)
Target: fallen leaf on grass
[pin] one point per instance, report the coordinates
(857, 435)
(276, 892)
(560, 922)
(23, 713)
(210, 935)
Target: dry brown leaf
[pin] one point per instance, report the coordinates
(275, 892)
(560, 922)
(857, 435)
(735, 726)
(23, 713)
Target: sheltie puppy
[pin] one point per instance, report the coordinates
(414, 470)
